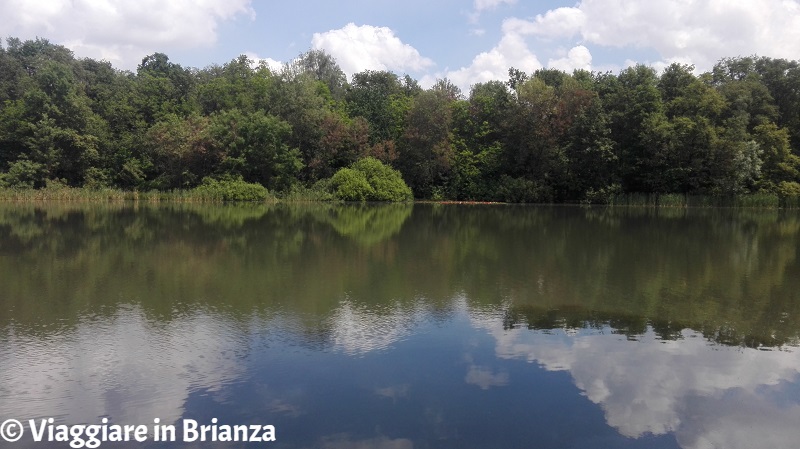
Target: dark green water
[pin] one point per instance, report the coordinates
(400, 327)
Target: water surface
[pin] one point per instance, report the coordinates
(427, 326)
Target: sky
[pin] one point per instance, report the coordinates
(466, 41)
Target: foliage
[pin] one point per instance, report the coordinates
(369, 180)
(352, 185)
(548, 136)
(231, 189)
(22, 174)
(789, 189)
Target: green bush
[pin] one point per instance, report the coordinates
(23, 174)
(370, 180)
(320, 191)
(789, 193)
(351, 185)
(231, 190)
(788, 189)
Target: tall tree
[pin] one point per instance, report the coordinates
(425, 148)
(163, 88)
(636, 111)
(320, 66)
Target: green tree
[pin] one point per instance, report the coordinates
(779, 165)
(255, 147)
(590, 152)
(343, 141)
(163, 88)
(179, 153)
(782, 79)
(425, 148)
(379, 97)
(235, 85)
(304, 104)
(51, 125)
(479, 133)
(636, 113)
(320, 66)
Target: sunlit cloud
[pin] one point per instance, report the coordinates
(479, 6)
(121, 31)
(577, 58)
(367, 47)
(511, 51)
(697, 31)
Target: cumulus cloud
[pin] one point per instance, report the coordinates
(274, 65)
(481, 5)
(121, 31)
(699, 31)
(511, 51)
(367, 47)
(577, 58)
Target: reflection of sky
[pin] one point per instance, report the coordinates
(345, 442)
(388, 378)
(359, 330)
(709, 396)
(123, 367)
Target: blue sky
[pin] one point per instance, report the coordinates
(467, 41)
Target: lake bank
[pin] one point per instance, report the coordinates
(63, 193)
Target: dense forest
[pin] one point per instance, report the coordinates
(548, 136)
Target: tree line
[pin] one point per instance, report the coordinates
(547, 136)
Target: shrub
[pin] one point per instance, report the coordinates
(231, 190)
(320, 191)
(370, 180)
(789, 193)
(788, 189)
(23, 174)
(351, 185)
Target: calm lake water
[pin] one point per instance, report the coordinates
(398, 327)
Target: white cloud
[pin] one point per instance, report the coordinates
(485, 5)
(366, 47)
(511, 51)
(699, 31)
(121, 31)
(274, 65)
(560, 22)
(482, 5)
(577, 58)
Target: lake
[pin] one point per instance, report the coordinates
(404, 326)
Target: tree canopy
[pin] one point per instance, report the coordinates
(546, 136)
